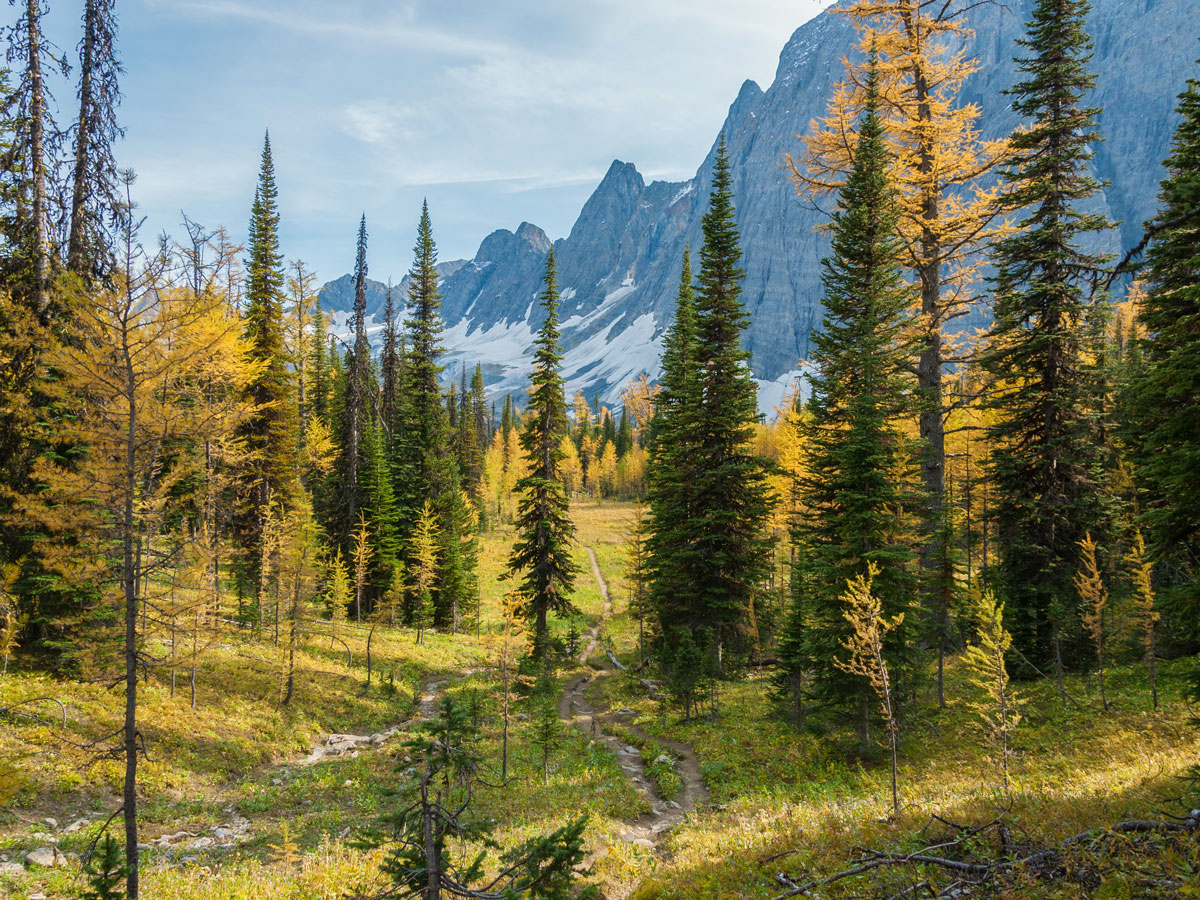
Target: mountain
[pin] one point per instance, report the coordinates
(619, 267)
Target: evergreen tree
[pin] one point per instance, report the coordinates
(507, 417)
(422, 449)
(470, 455)
(671, 461)
(847, 523)
(1167, 390)
(95, 198)
(624, 438)
(728, 548)
(378, 505)
(359, 382)
(32, 161)
(392, 367)
(268, 466)
(542, 555)
(425, 465)
(483, 433)
(1045, 389)
(319, 390)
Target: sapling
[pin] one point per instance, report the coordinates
(1094, 597)
(985, 661)
(865, 614)
(1141, 571)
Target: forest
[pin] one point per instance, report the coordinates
(289, 609)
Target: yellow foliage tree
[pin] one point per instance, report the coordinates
(1141, 572)
(638, 397)
(999, 713)
(424, 556)
(337, 593)
(606, 471)
(864, 612)
(631, 473)
(362, 555)
(951, 210)
(1094, 598)
(10, 618)
(130, 390)
(570, 468)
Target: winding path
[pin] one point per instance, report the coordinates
(575, 708)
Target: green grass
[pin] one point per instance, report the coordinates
(773, 789)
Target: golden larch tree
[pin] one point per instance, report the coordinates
(951, 212)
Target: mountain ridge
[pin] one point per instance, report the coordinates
(619, 266)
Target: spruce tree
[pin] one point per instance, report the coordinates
(1044, 389)
(670, 473)
(727, 544)
(848, 523)
(483, 434)
(1167, 387)
(541, 558)
(379, 506)
(319, 389)
(422, 444)
(425, 466)
(392, 367)
(352, 462)
(96, 196)
(268, 468)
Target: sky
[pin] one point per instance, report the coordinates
(497, 112)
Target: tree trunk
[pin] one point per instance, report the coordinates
(37, 165)
(130, 581)
(77, 240)
(433, 881)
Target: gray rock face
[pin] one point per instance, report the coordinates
(619, 267)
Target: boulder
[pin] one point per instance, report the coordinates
(46, 856)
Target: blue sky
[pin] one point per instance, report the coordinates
(498, 112)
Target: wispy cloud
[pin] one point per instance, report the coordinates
(397, 27)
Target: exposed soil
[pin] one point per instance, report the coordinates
(575, 708)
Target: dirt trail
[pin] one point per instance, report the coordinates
(576, 709)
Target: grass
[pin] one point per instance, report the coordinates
(776, 791)
(773, 790)
(238, 751)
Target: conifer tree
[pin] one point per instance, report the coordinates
(355, 413)
(1000, 713)
(424, 449)
(868, 631)
(425, 468)
(950, 211)
(1141, 573)
(391, 368)
(1093, 597)
(33, 160)
(725, 536)
(319, 392)
(268, 468)
(671, 459)
(479, 408)
(1044, 392)
(301, 284)
(424, 553)
(379, 506)
(851, 484)
(95, 198)
(541, 558)
(1167, 391)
